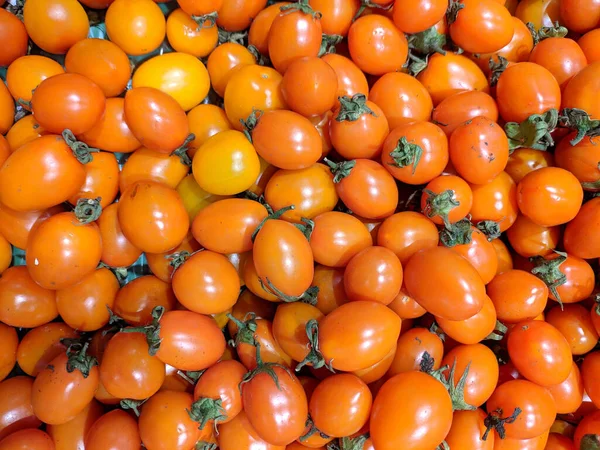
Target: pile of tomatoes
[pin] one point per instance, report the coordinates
(321, 224)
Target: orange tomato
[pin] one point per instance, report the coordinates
(7, 109)
(14, 35)
(26, 73)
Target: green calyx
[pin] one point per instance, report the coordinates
(427, 42)
(364, 4)
(490, 228)
(555, 31)
(273, 216)
(120, 273)
(495, 421)
(353, 443)
(340, 170)
(415, 65)
(203, 445)
(80, 150)
(443, 446)
(328, 43)
(534, 132)
(351, 108)
(453, 10)
(580, 121)
(251, 122)
(459, 233)
(499, 332)
(440, 205)
(151, 331)
(406, 154)
(246, 329)
(301, 6)
(263, 367)
(78, 359)
(232, 36)
(133, 405)
(181, 152)
(590, 442)
(249, 195)
(177, 259)
(314, 358)
(497, 68)
(261, 60)
(312, 430)
(455, 390)
(206, 20)
(88, 210)
(548, 270)
(309, 296)
(205, 410)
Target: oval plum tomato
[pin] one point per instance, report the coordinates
(65, 386)
(330, 282)
(224, 61)
(475, 328)
(242, 217)
(111, 132)
(200, 8)
(517, 296)
(156, 119)
(247, 303)
(543, 13)
(237, 15)
(102, 62)
(180, 75)
(538, 91)
(101, 181)
(14, 34)
(26, 73)
(227, 163)
(258, 34)
(421, 396)
(407, 232)
(496, 201)
(8, 357)
(568, 395)
(351, 80)
(138, 27)
(289, 327)
(117, 251)
(166, 423)
(415, 16)
(128, 370)
(55, 25)
(252, 87)
(530, 239)
(72, 433)
(455, 296)
(149, 165)
(216, 284)
(561, 56)
(447, 198)
(205, 120)
(588, 44)
(294, 33)
(467, 429)
(340, 405)
(576, 93)
(540, 352)
(41, 345)
(535, 403)
(271, 351)
(374, 274)
(253, 282)
(23, 131)
(495, 26)
(158, 211)
(336, 16)
(487, 153)
(160, 263)
(186, 36)
(549, 196)
(579, 239)
(283, 258)
(240, 432)
(415, 347)
(284, 139)
(136, 300)
(24, 303)
(358, 128)
(116, 428)
(461, 107)
(586, 17)
(16, 412)
(581, 160)
(402, 98)
(415, 153)
(575, 324)
(310, 86)
(589, 425)
(365, 187)
(55, 109)
(27, 439)
(570, 279)
(446, 75)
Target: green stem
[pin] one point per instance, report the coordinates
(494, 421)
(352, 108)
(534, 132)
(80, 150)
(78, 359)
(314, 358)
(459, 233)
(340, 170)
(440, 205)
(548, 270)
(151, 331)
(88, 210)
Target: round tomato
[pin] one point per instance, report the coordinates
(446, 199)
(16, 412)
(530, 239)
(145, 164)
(585, 18)
(72, 434)
(467, 429)
(580, 159)
(187, 36)
(588, 43)
(543, 13)
(417, 347)
(26, 73)
(568, 395)
(336, 16)
(580, 239)
(461, 107)
(26, 439)
(496, 201)
(407, 232)
(351, 79)
(205, 120)
(517, 296)
(15, 226)
(117, 251)
(116, 428)
(237, 15)
(561, 56)
(137, 299)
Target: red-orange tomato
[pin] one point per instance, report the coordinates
(578, 283)
(575, 324)
(376, 45)
(505, 261)
(117, 251)
(236, 15)
(446, 75)
(116, 428)
(8, 357)
(258, 34)
(101, 180)
(155, 119)
(14, 35)
(455, 296)
(111, 132)
(27, 439)
(561, 56)
(580, 159)
(557, 441)
(136, 300)
(151, 165)
(475, 328)
(568, 395)
(411, 349)
(590, 374)
(239, 433)
(271, 351)
(351, 80)
(525, 160)
(337, 16)
(585, 18)
(589, 45)
(576, 94)
(224, 61)
(24, 303)
(530, 239)
(415, 16)
(446, 197)
(467, 430)
(7, 109)
(517, 296)
(463, 106)
(480, 253)
(496, 201)
(16, 412)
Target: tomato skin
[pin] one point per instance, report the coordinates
(136, 300)
(237, 15)
(575, 323)
(155, 119)
(24, 130)
(225, 61)
(544, 367)
(71, 434)
(407, 232)
(561, 56)
(579, 280)
(541, 14)
(351, 80)
(475, 328)
(205, 120)
(589, 372)
(116, 428)
(50, 162)
(27, 72)
(466, 431)
(55, 25)
(289, 328)
(461, 194)
(253, 282)
(145, 164)
(239, 433)
(330, 282)
(580, 160)
(421, 396)
(137, 27)
(411, 348)
(517, 296)
(11, 27)
(558, 441)
(117, 251)
(369, 331)
(184, 34)
(496, 200)
(127, 369)
(530, 239)
(586, 17)
(480, 253)
(579, 239)
(463, 106)
(568, 395)
(7, 109)
(16, 412)
(423, 14)
(27, 439)
(8, 357)
(576, 94)
(588, 45)
(536, 403)
(101, 181)
(271, 351)
(5, 254)
(258, 34)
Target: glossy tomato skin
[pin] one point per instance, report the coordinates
(236, 15)
(330, 282)
(589, 372)
(475, 328)
(27, 72)
(568, 395)
(117, 428)
(415, 16)
(411, 348)
(50, 162)
(239, 433)
(205, 120)
(258, 34)
(145, 164)
(584, 19)
(72, 433)
(101, 180)
(462, 197)
(136, 300)
(186, 36)
(7, 109)
(463, 106)
(337, 16)
(541, 14)
(117, 251)
(5, 254)
(351, 80)
(580, 160)
(455, 297)
(576, 94)
(27, 439)
(496, 200)
(225, 61)
(369, 331)
(16, 412)
(561, 56)
(480, 253)
(587, 43)
(422, 396)
(467, 429)
(530, 239)
(579, 240)
(11, 27)
(24, 130)
(289, 328)
(8, 357)
(407, 232)
(517, 296)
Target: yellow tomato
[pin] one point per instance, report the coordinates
(226, 164)
(194, 197)
(187, 36)
(180, 75)
(541, 13)
(137, 26)
(205, 121)
(221, 318)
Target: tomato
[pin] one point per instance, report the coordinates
(446, 75)
(421, 396)
(145, 164)
(446, 198)
(27, 439)
(455, 296)
(549, 196)
(578, 239)
(248, 302)
(365, 187)
(475, 328)
(14, 34)
(573, 283)
(415, 16)
(586, 17)
(351, 79)
(136, 300)
(376, 45)
(185, 35)
(589, 372)
(412, 348)
(225, 61)
(236, 15)
(258, 34)
(568, 395)
(102, 62)
(128, 370)
(294, 33)
(330, 282)
(530, 239)
(194, 198)
(545, 367)
(7, 109)
(8, 357)
(102, 180)
(55, 25)
(64, 388)
(557, 441)
(71, 434)
(5, 254)
(496, 201)
(200, 8)
(115, 428)
(24, 130)
(205, 120)
(24, 303)
(525, 160)
(117, 251)
(271, 351)
(26, 73)
(254, 283)
(137, 27)
(407, 232)
(16, 412)
(587, 43)
(561, 56)
(517, 296)
(461, 107)
(575, 323)
(239, 433)
(579, 159)
(535, 402)
(467, 429)
(543, 13)
(577, 91)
